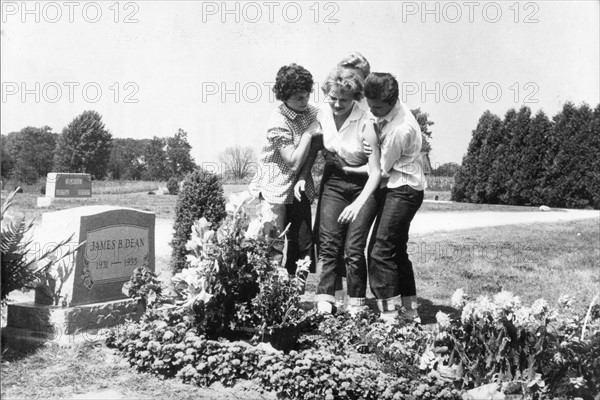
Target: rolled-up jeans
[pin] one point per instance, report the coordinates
(391, 274)
(339, 191)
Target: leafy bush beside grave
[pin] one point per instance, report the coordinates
(200, 196)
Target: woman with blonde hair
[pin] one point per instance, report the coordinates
(350, 179)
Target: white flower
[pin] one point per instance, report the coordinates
(194, 243)
(254, 229)
(523, 318)
(483, 307)
(303, 265)
(566, 301)
(209, 235)
(506, 300)
(203, 223)
(458, 298)
(238, 199)
(539, 307)
(467, 312)
(442, 319)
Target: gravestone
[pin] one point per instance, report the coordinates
(117, 240)
(60, 184)
(65, 185)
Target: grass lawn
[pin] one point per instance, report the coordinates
(532, 261)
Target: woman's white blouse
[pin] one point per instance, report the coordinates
(347, 142)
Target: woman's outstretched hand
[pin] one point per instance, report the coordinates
(350, 213)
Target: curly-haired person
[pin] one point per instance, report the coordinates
(290, 132)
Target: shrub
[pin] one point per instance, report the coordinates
(43, 190)
(173, 186)
(200, 196)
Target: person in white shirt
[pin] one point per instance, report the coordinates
(350, 179)
(403, 183)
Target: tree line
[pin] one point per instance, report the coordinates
(85, 145)
(528, 159)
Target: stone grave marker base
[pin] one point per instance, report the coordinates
(31, 325)
(43, 202)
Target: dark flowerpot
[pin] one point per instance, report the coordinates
(281, 338)
(284, 338)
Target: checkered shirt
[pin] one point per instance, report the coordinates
(275, 179)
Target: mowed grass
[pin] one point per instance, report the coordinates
(90, 370)
(532, 261)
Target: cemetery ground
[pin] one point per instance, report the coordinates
(542, 260)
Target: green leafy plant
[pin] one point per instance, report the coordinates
(144, 286)
(201, 196)
(21, 267)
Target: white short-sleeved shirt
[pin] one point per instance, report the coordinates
(347, 142)
(401, 141)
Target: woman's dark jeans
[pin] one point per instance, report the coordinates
(339, 191)
(390, 270)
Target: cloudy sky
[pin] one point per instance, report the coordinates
(151, 67)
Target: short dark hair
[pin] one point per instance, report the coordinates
(292, 79)
(382, 86)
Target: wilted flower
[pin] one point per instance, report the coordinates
(458, 298)
(442, 319)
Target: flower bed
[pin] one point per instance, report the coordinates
(492, 346)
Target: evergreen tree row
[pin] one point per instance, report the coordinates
(529, 159)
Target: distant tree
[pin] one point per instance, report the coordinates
(530, 149)
(467, 186)
(126, 158)
(178, 152)
(30, 153)
(238, 160)
(592, 177)
(500, 159)
(570, 160)
(424, 123)
(155, 161)
(6, 161)
(84, 146)
(447, 169)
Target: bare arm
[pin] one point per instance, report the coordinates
(296, 156)
(300, 186)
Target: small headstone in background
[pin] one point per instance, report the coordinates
(65, 185)
(545, 208)
(60, 184)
